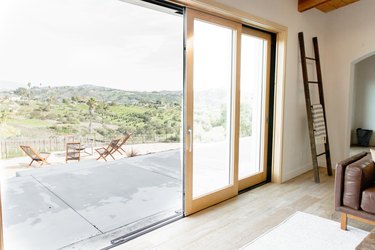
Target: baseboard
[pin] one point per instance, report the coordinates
(296, 172)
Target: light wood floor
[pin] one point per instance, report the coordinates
(234, 223)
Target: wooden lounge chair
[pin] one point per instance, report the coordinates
(41, 157)
(121, 144)
(109, 150)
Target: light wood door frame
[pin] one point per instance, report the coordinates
(194, 205)
(261, 176)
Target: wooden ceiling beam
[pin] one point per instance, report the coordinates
(304, 5)
(334, 4)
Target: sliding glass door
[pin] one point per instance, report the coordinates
(226, 104)
(212, 44)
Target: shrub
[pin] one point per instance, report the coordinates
(72, 120)
(36, 115)
(131, 152)
(173, 138)
(51, 116)
(61, 130)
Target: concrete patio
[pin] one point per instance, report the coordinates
(85, 205)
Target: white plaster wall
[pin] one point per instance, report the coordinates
(296, 154)
(350, 38)
(364, 93)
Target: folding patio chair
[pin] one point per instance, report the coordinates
(121, 143)
(109, 150)
(39, 157)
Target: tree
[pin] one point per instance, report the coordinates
(50, 99)
(21, 92)
(92, 104)
(246, 121)
(29, 91)
(102, 110)
(4, 116)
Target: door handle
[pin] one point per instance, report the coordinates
(190, 132)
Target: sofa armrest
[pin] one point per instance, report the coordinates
(340, 174)
(358, 176)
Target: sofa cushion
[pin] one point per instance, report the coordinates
(368, 200)
(358, 176)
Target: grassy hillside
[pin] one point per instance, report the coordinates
(44, 116)
(41, 112)
(52, 111)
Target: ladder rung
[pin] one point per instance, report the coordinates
(321, 154)
(310, 58)
(315, 82)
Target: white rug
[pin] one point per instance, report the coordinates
(306, 231)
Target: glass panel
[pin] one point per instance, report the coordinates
(251, 108)
(212, 107)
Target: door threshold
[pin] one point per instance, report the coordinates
(130, 236)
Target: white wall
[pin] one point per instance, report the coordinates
(364, 94)
(350, 38)
(296, 154)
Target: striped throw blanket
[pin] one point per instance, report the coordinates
(319, 123)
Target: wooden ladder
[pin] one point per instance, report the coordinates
(306, 84)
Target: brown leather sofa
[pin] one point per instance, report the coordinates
(355, 189)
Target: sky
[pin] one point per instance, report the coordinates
(212, 56)
(102, 42)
